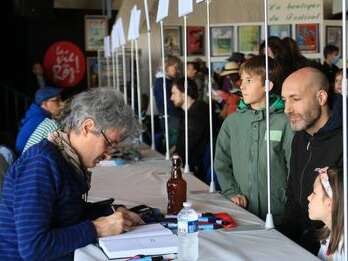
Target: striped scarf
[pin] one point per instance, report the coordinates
(62, 142)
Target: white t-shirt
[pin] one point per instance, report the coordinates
(337, 256)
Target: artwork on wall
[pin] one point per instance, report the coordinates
(172, 40)
(221, 40)
(249, 38)
(195, 40)
(334, 36)
(307, 37)
(217, 67)
(96, 27)
(280, 30)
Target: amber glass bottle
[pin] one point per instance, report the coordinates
(176, 187)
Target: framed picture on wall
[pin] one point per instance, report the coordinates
(217, 67)
(221, 38)
(172, 40)
(96, 27)
(195, 40)
(249, 37)
(280, 30)
(334, 36)
(307, 37)
(92, 72)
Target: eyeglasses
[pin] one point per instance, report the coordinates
(109, 143)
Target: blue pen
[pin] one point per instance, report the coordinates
(141, 258)
(210, 220)
(209, 227)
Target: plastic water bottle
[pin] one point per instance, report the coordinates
(188, 233)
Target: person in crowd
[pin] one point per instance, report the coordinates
(296, 59)
(326, 205)
(38, 73)
(198, 125)
(240, 157)
(237, 57)
(331, 57)
(229, 95)
(43, 208)
(193, 73)
(3, 168)
(47, 104)
(338, 82)
(172, 70)
(317, 143)
(277, 51)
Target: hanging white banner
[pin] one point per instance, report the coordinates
(185, 7)
(295, 11)
(163, 8)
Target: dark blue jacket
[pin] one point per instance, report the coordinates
(41, 208)
(33, 117)
(158, 91)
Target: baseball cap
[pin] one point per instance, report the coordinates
(45, 93)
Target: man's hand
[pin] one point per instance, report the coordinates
(134, 217)
(240, 200)
(115, 224)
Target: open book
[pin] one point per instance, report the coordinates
(152, 239)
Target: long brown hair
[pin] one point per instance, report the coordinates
(336, 234)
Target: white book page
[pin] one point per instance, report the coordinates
(141, 231)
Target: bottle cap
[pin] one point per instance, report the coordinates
(176, 156)
(187, 204)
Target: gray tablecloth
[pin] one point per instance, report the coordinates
(145, 182)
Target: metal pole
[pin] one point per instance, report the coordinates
(117, 70)
(187, 168)
(99, 69)
(269, 218)
(124, 74)
(344, 97)
(164, 93)
(138, 87)
(132, 75)
(113, 70)
(108, 71)
(212, 183)
(151, 92)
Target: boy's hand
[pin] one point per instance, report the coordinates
(240, 200)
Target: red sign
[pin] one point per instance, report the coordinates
(64, 64)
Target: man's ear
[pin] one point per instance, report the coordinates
(270, 85)
(86, 126)
(44, 105)
(322, 97)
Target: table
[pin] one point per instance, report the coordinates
(144, 182)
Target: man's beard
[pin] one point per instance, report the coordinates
(305, 121)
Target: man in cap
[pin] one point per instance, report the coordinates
(47, 104)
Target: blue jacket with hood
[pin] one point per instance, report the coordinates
(33, 117)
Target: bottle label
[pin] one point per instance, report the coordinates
(188, 227)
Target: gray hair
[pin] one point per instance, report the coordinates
(105, 106)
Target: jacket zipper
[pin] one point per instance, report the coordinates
(304, 168)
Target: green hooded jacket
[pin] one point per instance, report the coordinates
(241, 157)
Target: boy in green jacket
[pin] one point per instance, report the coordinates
(240, 158)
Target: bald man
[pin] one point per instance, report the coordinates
(317, 143)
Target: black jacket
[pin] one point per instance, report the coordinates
(322, 149)
(198, 136)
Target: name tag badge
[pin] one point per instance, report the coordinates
(275, 135)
